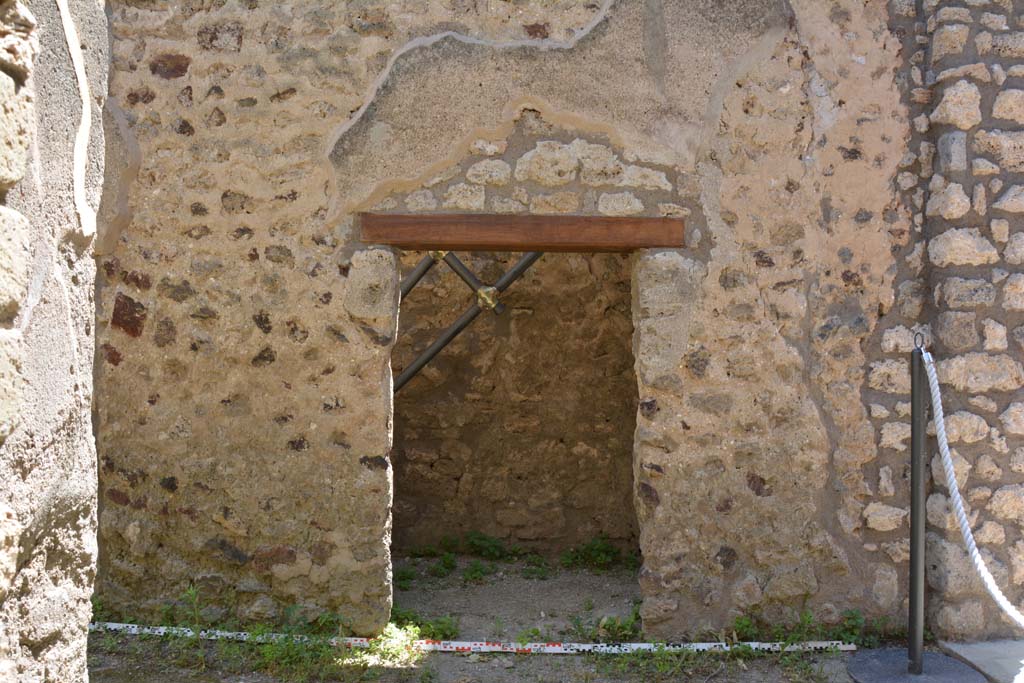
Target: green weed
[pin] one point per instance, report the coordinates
(439, 628)
(489, 547)
(450, 544)
(536, 567)
(477, 571)
(598, 554)
(444, 566)
(403, 577)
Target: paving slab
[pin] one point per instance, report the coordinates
(1001, 661)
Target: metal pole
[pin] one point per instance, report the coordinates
(453, 331)
(516, 271)
(464, 320)
(416, 274)
(918, 442)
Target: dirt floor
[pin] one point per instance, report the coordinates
(486, 600)
(506, 605)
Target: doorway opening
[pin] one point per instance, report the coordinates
(513, 448)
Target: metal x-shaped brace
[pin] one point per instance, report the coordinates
(486, 297)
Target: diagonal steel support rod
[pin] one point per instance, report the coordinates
(483, 293)
(453, 330)
(417, 273)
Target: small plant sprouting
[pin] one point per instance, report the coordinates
(597, 554)
(536, 567)
(403, 578)
(489, 547)
(444, 566)
(477, 571)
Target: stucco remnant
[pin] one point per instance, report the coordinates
(47, 456)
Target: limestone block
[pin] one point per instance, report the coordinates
(957, 330)
(1012, 200)
(1013, 293)
(890, 376)
(421, 200)
(988, 469)
(16, 124)
(951, 202)
(1017, 562)
(983, 167)
(979, 200)
(489, 172)
(895, 435)
(465, 197)
(960, 621)
(598, 164)
(940, 513)
(548, 163)
(1008, 45)
(949, 40)
(488, 148)
(1013, 418)
(900, 339)
(882, 517)
(961, 293)
(619, 204)
(976, 72)
(952, 149)
(961, 247)
(990, 533)
(960, 106)
(961, 469)
(1009, 104)
(1008, 503)
(1000, 229)
(886, 587)
(788, 582)
(1014, 251)
(885, 485)
(1006, 146)
(994, 22)
(963, 426)
(898, 551)
(555, 202)
(19, 43)
(953, 15)
(506, 205)
(995, 335)
(14, 262)
(644, 178)
(10, 536)
(667, 285)
(371, 290)
(981, 372)
(951, 573)
(11, 382)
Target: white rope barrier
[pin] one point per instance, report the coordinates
(958, 503)
(482, 646)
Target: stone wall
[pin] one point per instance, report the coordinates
(47, 454)
(246, 334)
(960, 176)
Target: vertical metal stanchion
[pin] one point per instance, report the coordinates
(918, 442)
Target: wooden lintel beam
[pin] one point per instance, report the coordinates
(502, 232)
